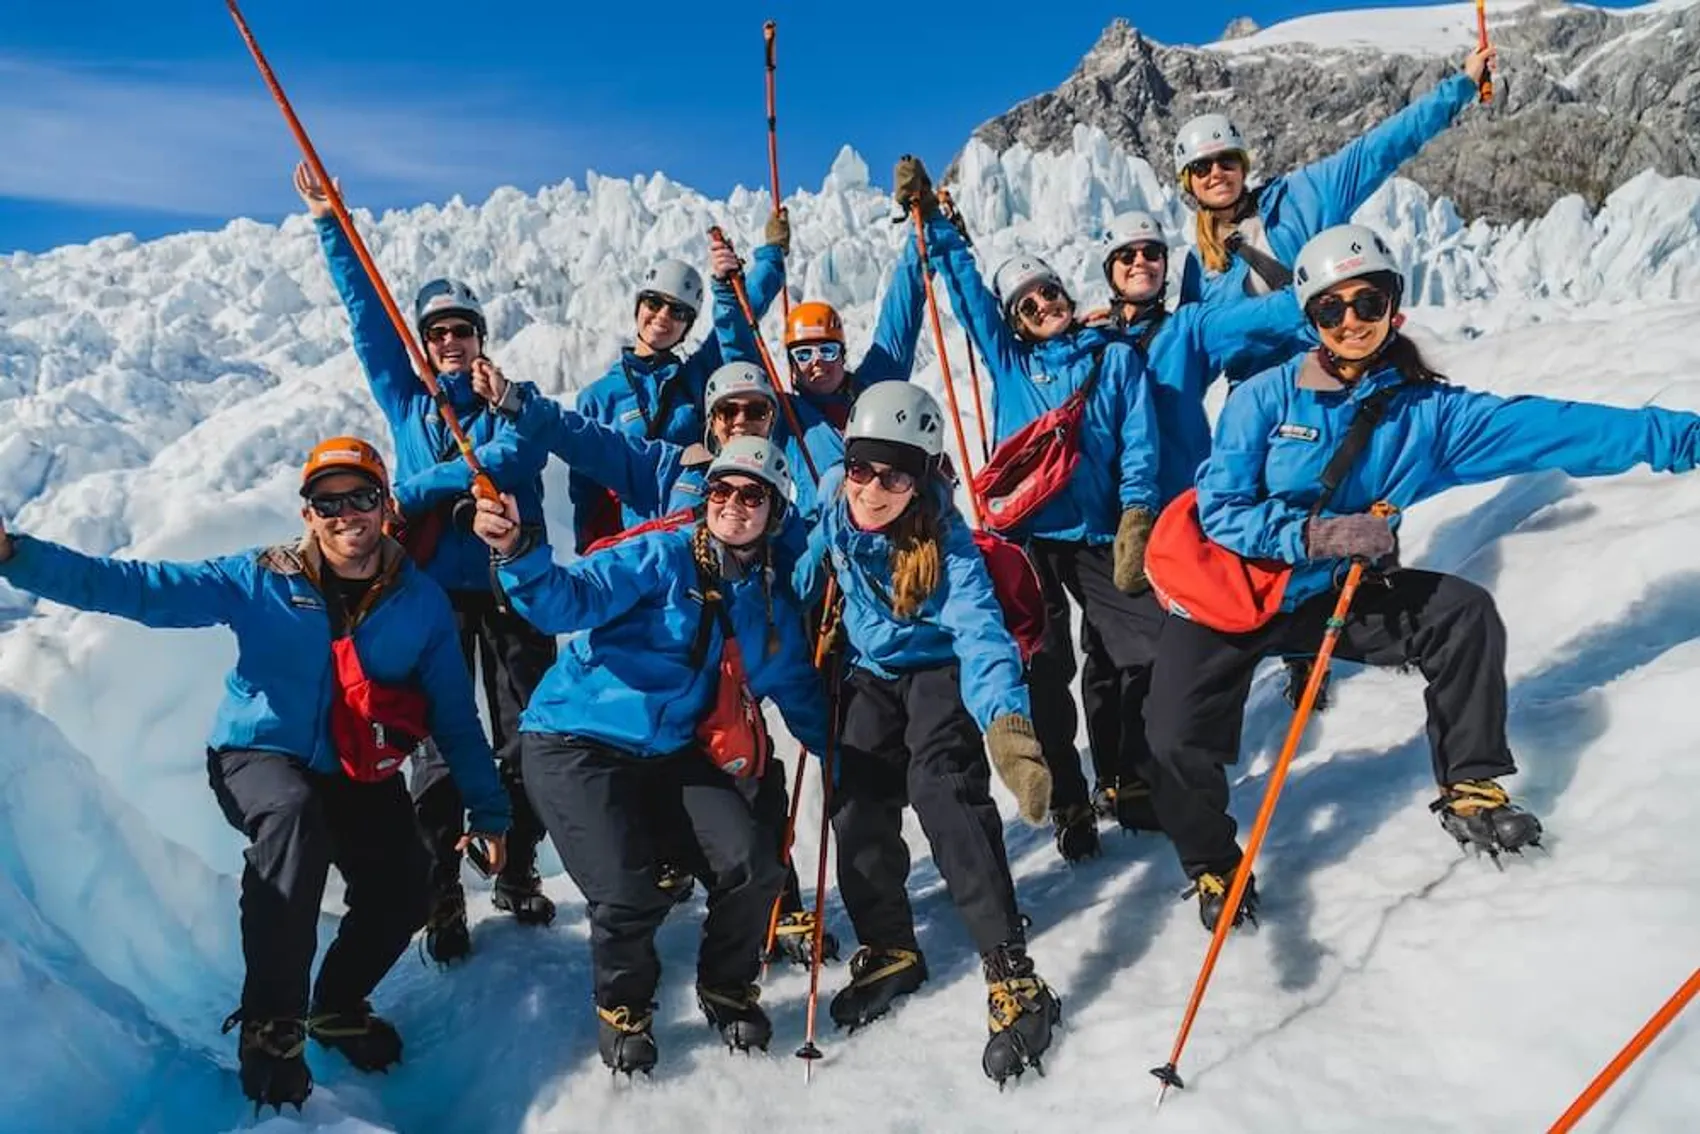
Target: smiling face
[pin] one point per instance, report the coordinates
(1044, 311)
(740, 416)
(1354, 336)
(350, 535)
(1217, 182)
(817, 375)
(738, 509)
(452, 343)
(877, 493)
(661, 322)
(1137, 271)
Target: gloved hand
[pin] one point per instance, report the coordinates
(910, 184)
(778, 230)
(1131, 536)
(1343, 537)
(1020, 764)
(6, 545)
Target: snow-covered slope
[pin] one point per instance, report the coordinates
(154, 401)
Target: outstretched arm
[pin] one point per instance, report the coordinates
(205, 593)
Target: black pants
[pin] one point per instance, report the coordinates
(911, 741)
(299, 824)
(1109, 697)
(513, 657)
(599, 806)
(1126, 627)
(1447, 628)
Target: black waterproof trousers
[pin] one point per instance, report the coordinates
(600, 806)
(910, 741)
(299, 824)
(1445, 627)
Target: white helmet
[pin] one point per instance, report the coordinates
(898, 412)
(447, 297)
(1137, 227)
(1019, 273)
(676, 280)
(1206, 136)
(733, 379)
(1344, 252)
(759, 458)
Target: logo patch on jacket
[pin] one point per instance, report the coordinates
(630, 416)
(1297, 432)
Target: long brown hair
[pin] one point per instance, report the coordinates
(1214, 226)
(915, 554)
(1404, 356)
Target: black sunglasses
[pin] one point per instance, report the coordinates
(1028, 308)
(657, 302)
(443, 332)
(749, 411)
(892, 480)
(332, 504)
(1329, 311)
(749, 495)
(1201, 167)
(1149, 251)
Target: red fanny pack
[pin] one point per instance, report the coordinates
(1028, 470)
(1198, 579)
(1016, 584)
(733, 732)
(374, 726)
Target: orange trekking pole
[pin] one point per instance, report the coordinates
(481, 482)
(948, 207)
(944, 363)
(1167, 1073)
(769, 30)
(1631, 1052)
(1481, 43)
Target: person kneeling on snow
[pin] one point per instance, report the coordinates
(347, 659)
(1261, 496)
(930, 665)
(616, 734)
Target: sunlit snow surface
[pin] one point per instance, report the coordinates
(155, 400)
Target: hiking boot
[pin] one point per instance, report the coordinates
(625, 1041)
(522, 895)
(1479, 814)
(273, 1057)
(675, 881)
(447, 938)
(877, 977)
(365, 1039)
(1212, 892)
(1298, 675)
(1076, 832)
(794, 940)
(738, 1016)
(1128, 803)
(1021, 1011)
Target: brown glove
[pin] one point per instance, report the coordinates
(1131, 537)
(910, 184)
(778, 230)
(1020, 764)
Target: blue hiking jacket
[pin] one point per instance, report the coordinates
(630, 681)
(278, 696)
(1279, 430)
(429, 470)
(961, 621)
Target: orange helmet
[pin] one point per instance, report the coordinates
(344, 454)
(813, 323)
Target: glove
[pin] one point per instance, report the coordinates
(1020, 764)
(1359, 535)
(1131, 536)
(910, 184)
(778, 230)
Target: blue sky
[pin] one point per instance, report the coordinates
(120, 119)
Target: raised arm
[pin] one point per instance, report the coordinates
(380, 350)
(1243, 336)
(975, 305)
(205, 593)
(584, 594)
(640, 471)
(891, 356)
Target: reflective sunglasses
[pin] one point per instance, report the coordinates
(1329, 311)
(332, 504)
(892, 480)
(749, 495)
(730, 411)
(1150, 251)
(826, 352)
(1028, 308)
(654, 301)
(1201, 167)
(443, 332)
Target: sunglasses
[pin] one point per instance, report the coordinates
(1028, 308)
(826, 352)
(332, 504)
(1201, 167)
(749, 495)
(443, 332)
(650, 301)
(1151, 252)
(749, 411)
(1329, 311)
(892, 480)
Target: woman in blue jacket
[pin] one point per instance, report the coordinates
(272, 763)
(1088, 542)
(1247, 237)
(611, 735)
(433, 493)
(930, 664)
(1258, 496)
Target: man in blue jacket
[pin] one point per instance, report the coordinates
(433, 492)
(277, 772)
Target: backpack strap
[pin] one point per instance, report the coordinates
(1275, 275)
(1086, 387)
(653, 423)
(1371, 412)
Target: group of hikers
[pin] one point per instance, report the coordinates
(736, 543)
